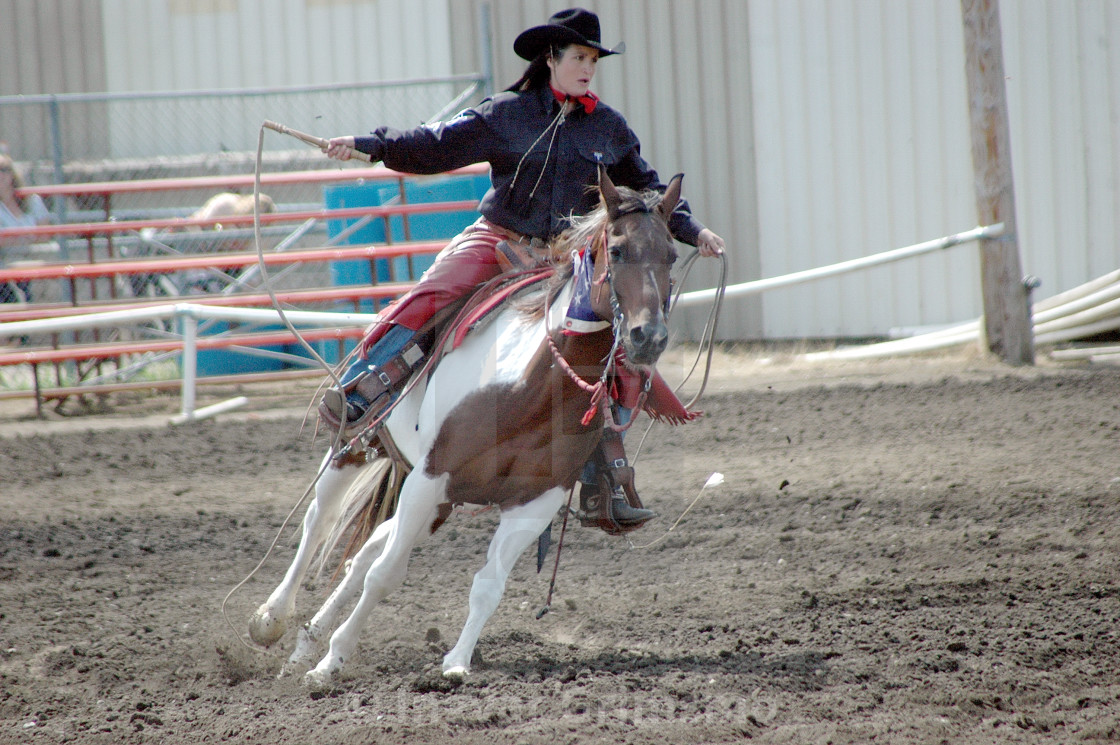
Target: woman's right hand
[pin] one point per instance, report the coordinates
(340, 148)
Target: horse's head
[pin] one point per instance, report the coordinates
(634, 258)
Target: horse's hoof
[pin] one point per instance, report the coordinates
(289, 669)
(266, 629)
(318, 681)
(306, 652)
(457, 673)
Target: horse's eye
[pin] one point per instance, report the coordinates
(615, 253)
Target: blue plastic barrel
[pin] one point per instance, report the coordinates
(428, 227)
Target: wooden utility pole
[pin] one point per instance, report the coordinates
(1007, 320)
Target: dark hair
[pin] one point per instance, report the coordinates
(537, 74)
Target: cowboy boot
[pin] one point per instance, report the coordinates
(608, 508)
(625, 504)
(607, 495)
(371, 383)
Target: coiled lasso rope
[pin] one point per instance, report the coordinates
(267, 284)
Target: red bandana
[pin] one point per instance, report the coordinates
(587, 101)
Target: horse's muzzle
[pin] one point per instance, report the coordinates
(646, 342)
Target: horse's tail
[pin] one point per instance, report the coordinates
(370, 501)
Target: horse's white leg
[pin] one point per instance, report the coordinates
(518, 528)
(271, 620)
(420, 495)
(308, 639)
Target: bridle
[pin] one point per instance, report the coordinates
(600, 401)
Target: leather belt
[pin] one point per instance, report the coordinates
(518, 251)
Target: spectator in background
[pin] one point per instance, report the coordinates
(17, 212)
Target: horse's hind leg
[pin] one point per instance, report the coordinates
(309, 637)
(271, 620)
(420, 496)
(518, 528)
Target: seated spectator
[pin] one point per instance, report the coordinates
(199, 281)
(226, 204)
(17, 211)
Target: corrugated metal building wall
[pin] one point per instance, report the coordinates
(684, 85)
(862, 136)
(861, 133)
(189, 45)
(816, 131)
(48, 46)
(1063, 67)
(156, 45)
(811, 131)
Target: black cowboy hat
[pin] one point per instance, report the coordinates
(573, 26)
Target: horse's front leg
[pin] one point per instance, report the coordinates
(421, 494)
(271, 620)
(518, 528)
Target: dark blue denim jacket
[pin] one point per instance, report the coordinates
(556, 178)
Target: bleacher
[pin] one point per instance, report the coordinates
(103, 284)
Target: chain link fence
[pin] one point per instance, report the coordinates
(83, 138)
(73, 137)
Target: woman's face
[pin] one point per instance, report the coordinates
(573, 71)
(7, 176)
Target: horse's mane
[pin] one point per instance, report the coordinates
(582, 231)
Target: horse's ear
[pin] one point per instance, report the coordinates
(672, 196)
(607, 190)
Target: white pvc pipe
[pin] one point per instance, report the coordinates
(88, 321)
(163, 312)
(1081, 318)
(190, 365)
(1074, 293)
(898, 346)
(1083, 353)
(1092, 308)
(1084, 302)
(267, 315)
(1078, 332)
(761, 285)
(208, 411)
(190, 313)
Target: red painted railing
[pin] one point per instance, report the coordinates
(87, 354)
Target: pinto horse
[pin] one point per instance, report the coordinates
(505, 419)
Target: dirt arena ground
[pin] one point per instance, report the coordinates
(905, 551)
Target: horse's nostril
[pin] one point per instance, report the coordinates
(651, 339)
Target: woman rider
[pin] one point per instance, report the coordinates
(544, 139)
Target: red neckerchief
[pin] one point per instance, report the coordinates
(588, 101)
